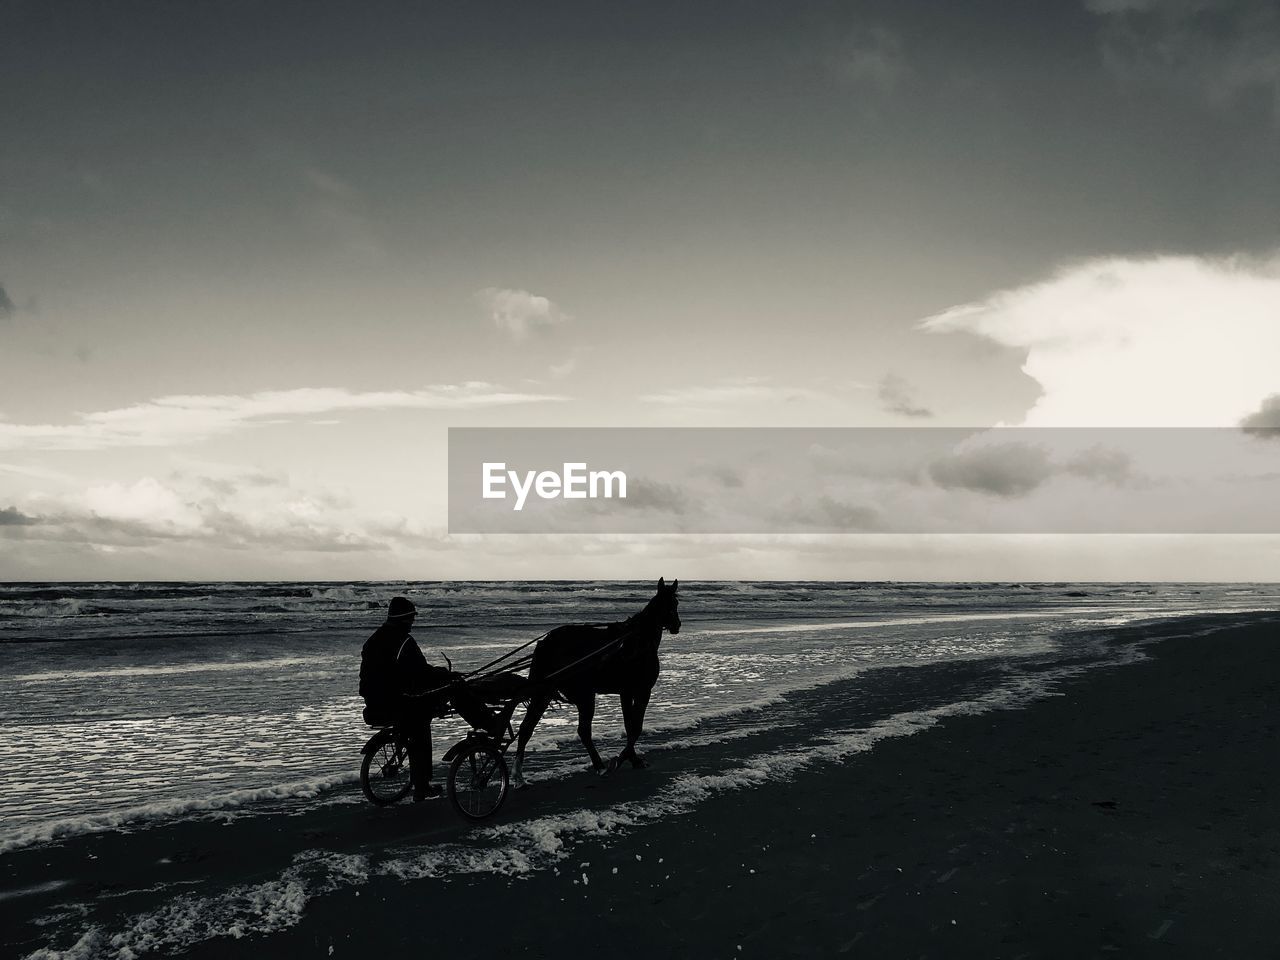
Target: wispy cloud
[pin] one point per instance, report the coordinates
(7, 309)
(829, 513)
(898, 396)
(183, 419)
(728, 393)
(871, 59)
(338, 209)
(1219, 50)
(569, 364)
(237, 511)
(519, 313)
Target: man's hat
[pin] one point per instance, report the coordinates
(401, 607)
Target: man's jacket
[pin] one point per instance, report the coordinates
(392, 668)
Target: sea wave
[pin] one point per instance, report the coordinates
(123, 820)
(526, 846)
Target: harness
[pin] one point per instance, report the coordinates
(485, 670)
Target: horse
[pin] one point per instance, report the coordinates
(577, 661)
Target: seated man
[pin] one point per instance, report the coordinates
(399, 686)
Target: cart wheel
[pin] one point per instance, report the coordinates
(384, 771)
(478, 780)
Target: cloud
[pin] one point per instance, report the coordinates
(730, 392)
(184, 419)
(1265, 421)
(7, 309)
(568, 364)
(520, 313)
(233, 513)
(1221, 50)
(1102, 464)
(651, 496)
(337, 210)
(828, 513)
(871, 59)
(558, 371)
(328, 184)
(986, 461)
(1166, 341)
(146, 503)
(898, 396)
(723, 474)
(999, 470)
(12, 517)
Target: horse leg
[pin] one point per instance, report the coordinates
(587, 711)
(633, 717)
(532, 714)
(627, 701)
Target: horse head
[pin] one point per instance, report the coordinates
(665, 606)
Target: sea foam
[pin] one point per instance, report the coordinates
(521, 848)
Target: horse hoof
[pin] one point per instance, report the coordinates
(638, 763)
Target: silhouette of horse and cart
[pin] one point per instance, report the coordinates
(572, 663)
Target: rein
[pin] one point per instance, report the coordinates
(600, 651)
(480, 670)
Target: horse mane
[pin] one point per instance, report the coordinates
(614, 624)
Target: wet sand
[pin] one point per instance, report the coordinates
(1135, 814)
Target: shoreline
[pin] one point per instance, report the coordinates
(963, 809)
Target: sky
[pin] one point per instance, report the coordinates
(256, 259)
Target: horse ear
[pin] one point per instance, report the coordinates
(661, 582)
(675, 584)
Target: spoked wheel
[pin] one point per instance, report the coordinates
(478, 780)
(384, 772)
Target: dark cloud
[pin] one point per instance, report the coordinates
(1016, 469)
(898, 396)
(1265, 421)
(1222, 51)
(1001, 470)
(229, 486)
(1102, 464)
(13, 517)
(649, 495)
(723, 474)
(7, 309)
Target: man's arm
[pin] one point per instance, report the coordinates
(413, 670)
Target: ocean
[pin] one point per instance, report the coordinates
(121, 704)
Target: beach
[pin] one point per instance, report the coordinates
(1121, 805)
(806, 473)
